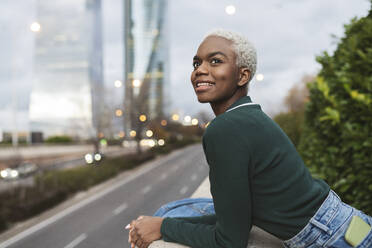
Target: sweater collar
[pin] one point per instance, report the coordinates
(242, 100)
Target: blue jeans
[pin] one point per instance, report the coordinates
(328, 226)
(189, 207)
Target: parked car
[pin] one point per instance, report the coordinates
(26, 168)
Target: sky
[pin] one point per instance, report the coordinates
(288, 35)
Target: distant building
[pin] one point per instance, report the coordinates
(146, 60)
(68, 81)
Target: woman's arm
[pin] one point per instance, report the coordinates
(229, 176)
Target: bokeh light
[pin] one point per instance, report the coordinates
(142, 118)
(119, 112)
(35, 27)
(149, 133)
(118, 83)
(136, 83)
(260, 77)
(132, 133)
(230, 9)
(175, 117)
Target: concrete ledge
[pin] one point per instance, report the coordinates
(258, 238)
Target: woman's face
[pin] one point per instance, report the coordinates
(215, 76)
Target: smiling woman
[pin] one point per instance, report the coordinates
(256, 175)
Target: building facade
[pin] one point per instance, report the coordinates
(67, 78)
(146, 61)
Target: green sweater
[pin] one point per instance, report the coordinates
(257, 177)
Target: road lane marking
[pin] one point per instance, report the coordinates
(163, 176)
(184, 190)
(120, 209)
(76, 241)
(194, 177)
(146, 168)
(146, 189)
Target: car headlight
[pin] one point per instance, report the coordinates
(88, 158)
(4, 173)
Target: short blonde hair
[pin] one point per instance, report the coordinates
(246, 55)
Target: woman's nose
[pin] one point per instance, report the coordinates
(202, 69)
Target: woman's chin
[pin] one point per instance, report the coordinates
(202, 99)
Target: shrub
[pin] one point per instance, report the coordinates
(59, 139)
(337, 141)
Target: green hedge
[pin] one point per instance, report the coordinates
(59, 139)
(337, 139)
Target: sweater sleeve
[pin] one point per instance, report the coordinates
(205, 219)
(228, 159)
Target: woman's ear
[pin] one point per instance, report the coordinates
(244, 76)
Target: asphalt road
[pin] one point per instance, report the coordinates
(99, 221)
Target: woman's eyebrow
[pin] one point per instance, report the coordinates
(215, 53)
(196, 57)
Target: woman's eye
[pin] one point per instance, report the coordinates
(215, 61)
(195, 64)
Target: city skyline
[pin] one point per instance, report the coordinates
(288, 35)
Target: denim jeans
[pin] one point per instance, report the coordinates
(189, 207)
(328, 226)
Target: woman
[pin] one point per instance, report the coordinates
(256, 175)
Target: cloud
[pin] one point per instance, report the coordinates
(287, 34)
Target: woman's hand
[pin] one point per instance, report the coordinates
(144, 231)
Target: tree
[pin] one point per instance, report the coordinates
(292, 121)
(337, 141)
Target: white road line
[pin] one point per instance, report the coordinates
(194, 177)
(146, 168)
(120, 209)
(76, 241)
(146, 189)
(163, 176)
(184, 190)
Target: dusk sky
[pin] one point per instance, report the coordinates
(287, 34)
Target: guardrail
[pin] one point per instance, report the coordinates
(258, 238)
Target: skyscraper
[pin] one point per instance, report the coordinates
(68, 80)
(145, 60)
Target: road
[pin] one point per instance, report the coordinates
(99, 220)
(59, 164)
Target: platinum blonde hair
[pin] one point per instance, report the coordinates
(246, 55)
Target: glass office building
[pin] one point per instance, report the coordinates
(67, 79)
(146, 60)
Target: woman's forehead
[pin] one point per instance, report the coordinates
(214, 44)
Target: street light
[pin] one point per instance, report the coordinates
(163, 123)
(194, 121)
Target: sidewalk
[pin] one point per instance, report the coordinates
(258, 238)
